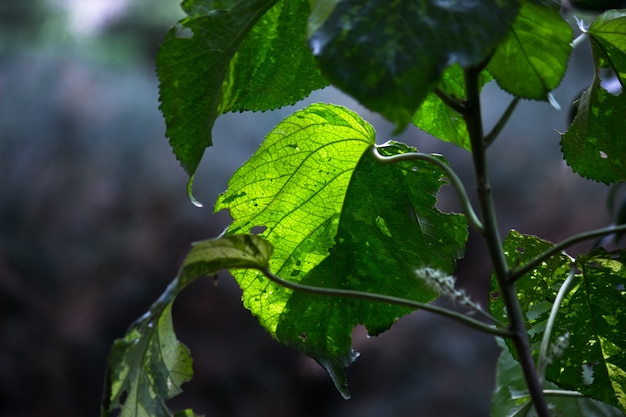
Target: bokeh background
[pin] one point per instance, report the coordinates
(94, 222)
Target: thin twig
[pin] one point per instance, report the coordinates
(563, 393)
(362, 295)
(491, 137)
(452, 102)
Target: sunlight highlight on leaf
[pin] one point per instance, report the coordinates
(338, 218)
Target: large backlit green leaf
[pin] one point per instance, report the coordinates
(593, 145)
(231, 55)
(337, 218)
(389, 54)
(148, 365)
(511, 395)
(592, 314)
(608, 39)
(532, 59)
(437, 118)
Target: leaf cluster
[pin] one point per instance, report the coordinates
(350, 229)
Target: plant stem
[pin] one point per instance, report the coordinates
(563, 393)
(579, 40)
(473, 121)
(472, 218)
(362, 295)
(501, 122)
(543, 359)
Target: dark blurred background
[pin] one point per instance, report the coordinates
(94, 222)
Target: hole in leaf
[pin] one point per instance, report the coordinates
(303, 336)
(609, 82)
(603, 155)
(521, 249)
(620, 287)
(183, 32)
(257, 230)
(415, 169)
(123, 397)
(494, 295)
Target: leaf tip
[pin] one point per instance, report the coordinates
(336, 368)
(193, 200)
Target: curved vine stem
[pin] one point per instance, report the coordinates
(543, 359)
(472, 218)
(559, 247)
(362, 295)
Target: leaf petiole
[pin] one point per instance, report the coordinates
(491, 137)
(543, 360)
(340, 292)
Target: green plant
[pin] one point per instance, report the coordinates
(350, 233)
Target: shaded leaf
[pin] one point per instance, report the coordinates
(438, 119)
(608, 40)
(148, 365)
(592, 314)
(390, 54)
(532, 59)
(231, 55)
(511, 395)
(592, 145)
(337, 219)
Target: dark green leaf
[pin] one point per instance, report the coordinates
(338, 219)
(390, 54)
(438, 119)
(231, 56)
(592, 145)
(592, 314)
(149, 364)
(608, 39)
(511, 394)
(532, 59)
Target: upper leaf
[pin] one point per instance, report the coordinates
(149, 364)
(608, 39)
(437, 118)
(592, 145)
(337, 219)
(532, 59)
(592, 314)
(231, 55)
(390, 54)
